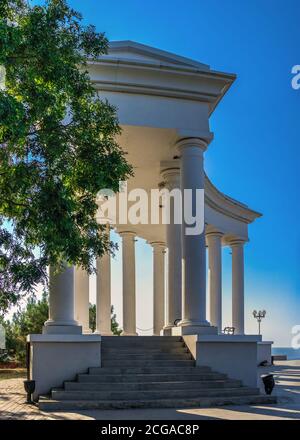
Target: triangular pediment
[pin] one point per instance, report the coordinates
(130, 50)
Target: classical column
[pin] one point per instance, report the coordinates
(193, 240)
(171, 176)
(128, 261)
(238, 286)
(82, 301)
(158, 286)
(103, 296)
(215, 277)
(61, 303)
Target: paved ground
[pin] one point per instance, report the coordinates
(287, 374)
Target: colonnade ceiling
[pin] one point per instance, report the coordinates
(146, 149)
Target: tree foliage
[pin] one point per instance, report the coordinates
(114, 324)
(57, 145)
(25, 321)
(30, 320)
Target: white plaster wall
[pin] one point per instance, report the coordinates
(264, 352)
(159, 112)
(54, 362)
(236, 359)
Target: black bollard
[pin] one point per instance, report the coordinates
(269, 383)
(29, 386)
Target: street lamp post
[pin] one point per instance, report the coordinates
(259, 316)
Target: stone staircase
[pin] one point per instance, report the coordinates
(149, 372)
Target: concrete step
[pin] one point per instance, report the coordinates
(141, 350)
(60, 394)
(145, 386)
(145, 357)
(147, 370)
(142, 347)
(143, 372)
(142, 339)
(141, 342)
(149, 363)
(46, 404)
(131, 378)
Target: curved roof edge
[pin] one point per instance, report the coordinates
(130, 46)
(227, 205)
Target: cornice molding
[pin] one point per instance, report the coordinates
(221, 82)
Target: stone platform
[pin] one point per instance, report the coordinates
(153, 372)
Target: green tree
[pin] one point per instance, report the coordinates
(57, 145)
(114, 325)
(27, 320)
(92, 317)
(31, 318)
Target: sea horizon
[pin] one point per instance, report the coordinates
(291, 353)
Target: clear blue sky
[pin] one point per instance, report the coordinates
(255, 155)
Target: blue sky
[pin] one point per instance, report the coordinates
(255, 154)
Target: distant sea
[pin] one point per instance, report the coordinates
(291, 353)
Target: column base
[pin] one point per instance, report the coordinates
(61, 329)
(87, 331)
(128, 334)
(167, 331)
(104, 333)
(194, 330)
(188, 323)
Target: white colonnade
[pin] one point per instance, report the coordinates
(184, 302)
(69, 312)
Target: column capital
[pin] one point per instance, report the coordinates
(236, 242)
(170, 172)
(199, 145)
(158, 245)
(212, 234)
(213, 237)
(206, 135)
(127, 234)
